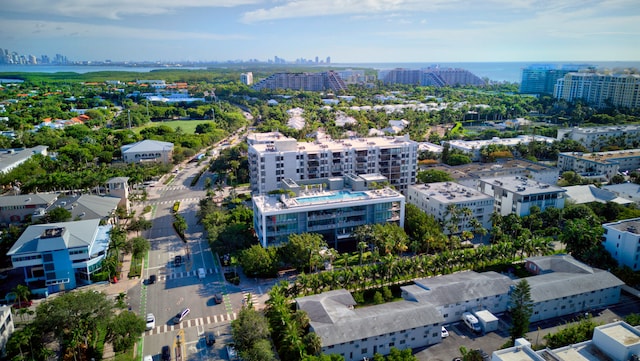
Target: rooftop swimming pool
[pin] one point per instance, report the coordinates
(338, 196)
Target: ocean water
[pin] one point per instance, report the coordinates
(496, 71)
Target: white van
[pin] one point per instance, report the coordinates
(471, 321)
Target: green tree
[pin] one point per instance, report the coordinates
(124, 329)
(261, 350)
(249, 328)
(521, 308)
(139, 246)
(433, 176)
(258, 261)
(74, 319)
(58, 214)
(301, 249)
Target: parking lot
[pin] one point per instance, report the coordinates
(461, 335)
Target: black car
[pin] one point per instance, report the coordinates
(177, 261)
(166, 353)
(217, 298)
(485, 356)
(152, 279)
(210, 338)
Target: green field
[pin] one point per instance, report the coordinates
(187, 126)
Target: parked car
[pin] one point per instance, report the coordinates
(151, 321)
(210, 338)
(22, 304)
(152, 279)
(177, 261)
(147, 358)
(444, 333)
(166, 353)
(181, 315)
(485, 356)
(231, 352)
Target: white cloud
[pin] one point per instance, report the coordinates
(57, 30)
(112, 9)
(291, 9)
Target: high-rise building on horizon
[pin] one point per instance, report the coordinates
(435, 76)
(542, 78)
(600, 90)
(246, 78)
(329, 80)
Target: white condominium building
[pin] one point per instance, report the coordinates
(333, 207)
(518, 194)
(395, 158)
(600, 90)
(435, 198)
(622, 241)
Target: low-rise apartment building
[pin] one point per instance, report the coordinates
(393, 157)
(473, 147)
(594, 138)
(358, 333)
(600, 165)
(622, 241)
(518, 194)
(467, 291)
(560, 286)
(564, 286)
(334, 208)
(436, 198)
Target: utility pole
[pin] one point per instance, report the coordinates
(129, 116)
(213, 114)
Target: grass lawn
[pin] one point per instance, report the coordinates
(188, 126)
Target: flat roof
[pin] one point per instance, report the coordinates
(626, 225)
(336, 145)
(603, 157)
(450, 192)
(622, 333)
(341, 198)
(523, 185)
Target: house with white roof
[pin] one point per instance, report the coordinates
(147, 151)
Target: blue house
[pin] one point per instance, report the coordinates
(60, 256)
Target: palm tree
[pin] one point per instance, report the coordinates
(362, 246)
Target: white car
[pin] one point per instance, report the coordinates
(444, 333)
(202, 273)
(151, 321)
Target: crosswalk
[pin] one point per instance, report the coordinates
(179, 188)
(172, 201)
(182, 274)
(192, 323)
(246, 292)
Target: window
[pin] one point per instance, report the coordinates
(364, 351)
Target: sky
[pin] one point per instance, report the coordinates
(348, 31)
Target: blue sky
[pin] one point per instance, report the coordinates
(346, 30)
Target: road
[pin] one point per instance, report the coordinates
(179, 287)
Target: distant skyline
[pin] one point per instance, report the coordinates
(348, 31)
